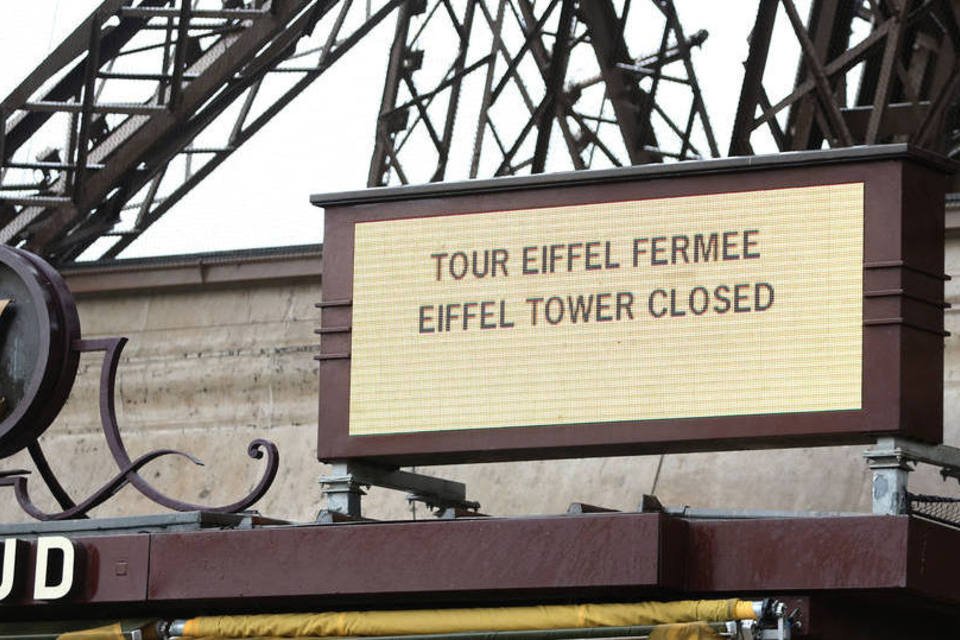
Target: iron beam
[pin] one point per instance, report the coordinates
(391, 87)
(559, 59)
(86, 112)
(760, 37)
(631, 104)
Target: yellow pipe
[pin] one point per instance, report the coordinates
(109, 632)
(438, 621)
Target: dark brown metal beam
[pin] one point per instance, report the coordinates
(574, 555)
(631, 104)
(385, 130)
(884, 91)
(86, 113)
(130, 155)
(697, 108)
(559, 58)
(112, 41)
(180, 53)
(827, 36)
(542, 57)
(753, 78)
(907, 61)
(457, 72)
(840, 65)
(161, 158)
(908, 563)
(812, 59)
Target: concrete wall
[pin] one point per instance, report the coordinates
(219, 356)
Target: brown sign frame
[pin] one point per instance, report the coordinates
(902, 386)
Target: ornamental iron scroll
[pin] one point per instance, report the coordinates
(40, 347)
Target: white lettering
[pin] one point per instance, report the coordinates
(58, 589)
(10, 548)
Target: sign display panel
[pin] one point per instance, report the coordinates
(745, 303)
(723, 304)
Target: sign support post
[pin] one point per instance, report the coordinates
(892, 460)
(343, 488)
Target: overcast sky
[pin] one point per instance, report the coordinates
(323, 141)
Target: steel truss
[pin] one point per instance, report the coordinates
(472, 88)
(209, 74)
(904, 70)
(122, 165)
(556, 65)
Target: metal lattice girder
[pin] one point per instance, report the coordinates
(905, 70)
(189, 62)
(531, 57)
(148, 97)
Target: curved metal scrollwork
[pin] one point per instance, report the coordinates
(129, 468)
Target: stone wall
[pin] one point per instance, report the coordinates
(220, 354)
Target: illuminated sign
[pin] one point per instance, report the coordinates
(713, 305)
(688, 307)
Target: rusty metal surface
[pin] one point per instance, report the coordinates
(931, 565)
(581, 555)
(118, 569)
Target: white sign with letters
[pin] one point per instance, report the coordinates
(54, 570)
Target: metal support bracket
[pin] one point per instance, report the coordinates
(892, 459)
(127, 468)
(772, 623)
(343, 488)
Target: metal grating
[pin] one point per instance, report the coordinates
(937, 508)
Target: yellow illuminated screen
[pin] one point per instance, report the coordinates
(713, 305)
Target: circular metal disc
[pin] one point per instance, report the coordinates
(38, 359)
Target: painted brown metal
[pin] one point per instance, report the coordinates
(816, 553)
(864, 577)
(906, 75)
(257, 449)
(112, 569)
(583, 555)
(907, 66)
(50, 321)
(128, 468)
(903, 304)
(601, 556)
(898, 554)
(258, 41)
(46, 334)
(631, 104)
(452, 558)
